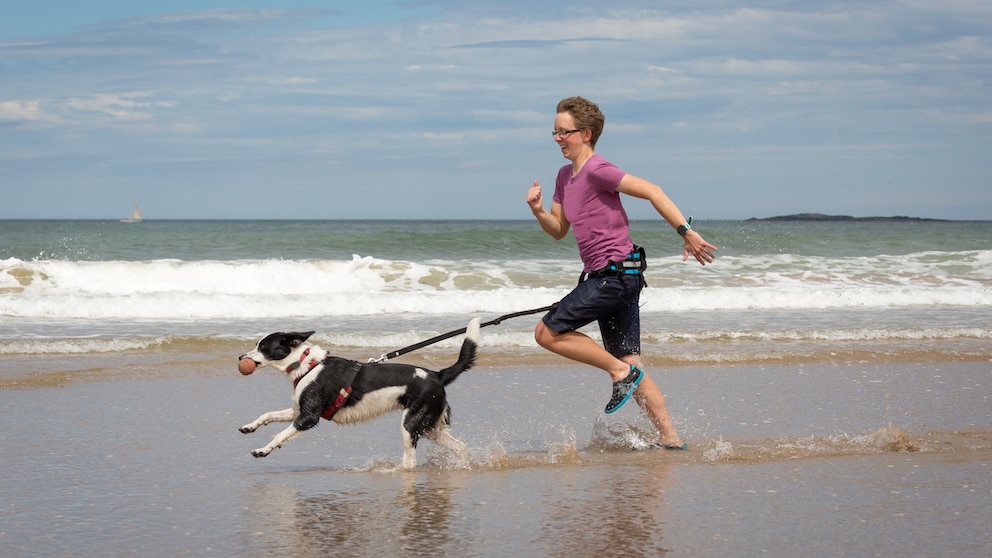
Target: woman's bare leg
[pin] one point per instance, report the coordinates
(648, 395)
(581, 348)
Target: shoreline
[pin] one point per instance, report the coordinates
(40, 371)
(711, 401)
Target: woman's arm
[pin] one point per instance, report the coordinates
(553, 222)
(694, 243)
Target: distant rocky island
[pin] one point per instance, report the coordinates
(822, 217)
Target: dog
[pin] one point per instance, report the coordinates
(349, 392)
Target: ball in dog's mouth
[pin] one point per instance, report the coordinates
(246, 366)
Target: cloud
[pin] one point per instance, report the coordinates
(24, 110)
(126, 106)
(443, 93)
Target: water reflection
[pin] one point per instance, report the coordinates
(621, 513)
(612, 503)
(428, 514)
(408, 513)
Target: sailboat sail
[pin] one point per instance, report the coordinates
(135, 215)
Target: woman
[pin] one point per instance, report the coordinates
(587, 200)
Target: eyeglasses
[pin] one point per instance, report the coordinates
(562, 133)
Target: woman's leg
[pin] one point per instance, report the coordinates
(648, 395)
(580, 347)
(622, 337)
(588, 301)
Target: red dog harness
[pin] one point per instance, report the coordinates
(342, 394)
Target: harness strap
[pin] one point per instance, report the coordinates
(343, 393)
(338, 403)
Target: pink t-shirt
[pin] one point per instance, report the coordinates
(592, 206)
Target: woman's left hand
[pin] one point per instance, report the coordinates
(695, 244)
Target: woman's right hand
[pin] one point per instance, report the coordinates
(534, 198)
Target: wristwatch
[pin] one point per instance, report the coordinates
(682, 229)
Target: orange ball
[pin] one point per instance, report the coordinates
(246, 366)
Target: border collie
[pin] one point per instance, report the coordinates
(349, 392)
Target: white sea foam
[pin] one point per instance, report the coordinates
(742, 308)
(181, 290)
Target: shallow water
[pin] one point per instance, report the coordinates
(859, 460)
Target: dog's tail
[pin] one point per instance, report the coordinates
(466, 358)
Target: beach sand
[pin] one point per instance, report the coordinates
(139, 454)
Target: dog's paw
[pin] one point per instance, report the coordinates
(261, 452)
(246, 429)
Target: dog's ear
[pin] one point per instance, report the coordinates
(297, 337)
(277, 346)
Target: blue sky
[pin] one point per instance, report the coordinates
(423, 109)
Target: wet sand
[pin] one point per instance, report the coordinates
(139, 455)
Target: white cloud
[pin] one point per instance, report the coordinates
(24, 110)
(473, 87)
(120, 106)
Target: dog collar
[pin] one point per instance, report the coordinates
(310, 365)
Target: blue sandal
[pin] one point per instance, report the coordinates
(623, 389)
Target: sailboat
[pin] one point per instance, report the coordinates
(135, 215)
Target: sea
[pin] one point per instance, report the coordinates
(833, 381)
(777, 292)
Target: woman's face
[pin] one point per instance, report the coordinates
(570, 140)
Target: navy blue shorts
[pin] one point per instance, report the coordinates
(613, 302)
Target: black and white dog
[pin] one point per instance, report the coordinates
(350, 392)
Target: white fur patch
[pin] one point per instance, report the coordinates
(372, 405)
(302, 383)
(420, 373)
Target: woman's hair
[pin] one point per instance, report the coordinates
(586, 115)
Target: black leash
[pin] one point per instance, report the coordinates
(451, 334)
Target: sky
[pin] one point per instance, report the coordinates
(442, 109)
